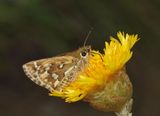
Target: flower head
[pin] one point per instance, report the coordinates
(100, 69)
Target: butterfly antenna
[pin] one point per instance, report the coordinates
(89, 33)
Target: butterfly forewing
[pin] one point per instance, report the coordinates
(56, 72)
(49, 72)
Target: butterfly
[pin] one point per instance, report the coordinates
(57, 72)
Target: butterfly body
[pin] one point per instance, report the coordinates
(57, 72)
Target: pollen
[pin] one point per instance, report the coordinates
(100, 68)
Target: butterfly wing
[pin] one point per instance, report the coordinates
(50, 72)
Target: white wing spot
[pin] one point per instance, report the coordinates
(35, 64)
(47, 68)
(61, 65)
(45, 74)
(56, 83)
(55, 76)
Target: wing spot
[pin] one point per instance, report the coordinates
(55, 76)
(45, 80)
(47, 68)
(35, 64)
(44, 75)
(61, 65)
(56, 83)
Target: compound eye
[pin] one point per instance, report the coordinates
(83, 54)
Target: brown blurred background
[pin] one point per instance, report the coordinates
(34, 29)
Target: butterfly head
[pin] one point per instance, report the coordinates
(85, 52)
(82, 53)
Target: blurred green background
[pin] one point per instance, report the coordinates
(34, 29)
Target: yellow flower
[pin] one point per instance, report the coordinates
(100, 68)
(118, 53)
